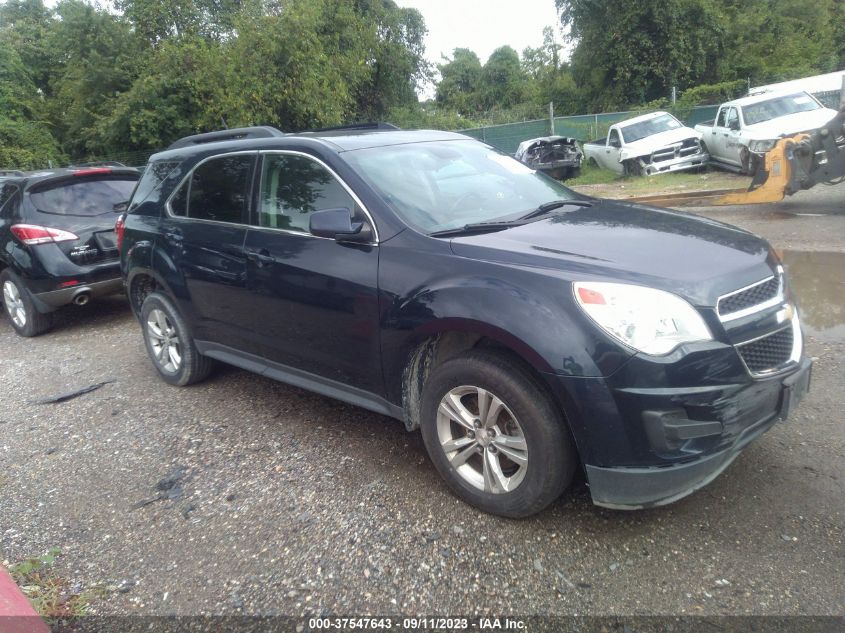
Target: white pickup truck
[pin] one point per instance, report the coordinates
(745, 129)
(653, 143)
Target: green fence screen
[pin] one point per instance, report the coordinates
(584, 127)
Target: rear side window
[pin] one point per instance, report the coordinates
(218, 190)
(83, 197)
(8, 199)
(153, 176)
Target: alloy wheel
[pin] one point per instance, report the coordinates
(482, 439)
(14, 304)
(164, 341)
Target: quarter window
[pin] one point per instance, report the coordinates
(720, 121)
(293, 187)
(7, 192)
(217, 190)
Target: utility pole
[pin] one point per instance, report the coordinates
(551, 118)
(842, 93)
(674, 94)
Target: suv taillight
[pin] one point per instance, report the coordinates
(119, 225)
(32, 234)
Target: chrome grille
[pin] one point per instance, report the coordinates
(759, 293)
(768, 353)
(688, 147)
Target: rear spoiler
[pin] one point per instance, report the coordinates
(262, 131)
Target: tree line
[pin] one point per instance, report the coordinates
(80, 80)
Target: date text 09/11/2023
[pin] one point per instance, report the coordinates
(417, 624)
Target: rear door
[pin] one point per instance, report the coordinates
(86, 203)
(202, 237)
(315, 299)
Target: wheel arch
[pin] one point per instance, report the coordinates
(445, 339)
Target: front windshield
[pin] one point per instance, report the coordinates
(440, 185)
(637, 131)
(781, 106)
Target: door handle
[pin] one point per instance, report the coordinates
(173, 236)
(262, 257)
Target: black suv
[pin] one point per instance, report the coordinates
(523, 328)
(57, 240)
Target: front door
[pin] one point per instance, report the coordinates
(315, 299)
(203, 235)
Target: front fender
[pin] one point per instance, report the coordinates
(530, 311)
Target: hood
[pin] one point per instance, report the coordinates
(791, 124)
(658, 141)
(696, 258)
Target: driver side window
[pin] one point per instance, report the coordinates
(293, 187)
(614, 139)
(733, 119)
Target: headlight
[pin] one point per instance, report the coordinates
(761, 147)
(649, 320)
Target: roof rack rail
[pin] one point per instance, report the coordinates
(11, 172)
(236, 134)
(380, 125)
(97, 163)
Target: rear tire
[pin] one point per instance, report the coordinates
(170, 344)
(20, 308)
(515, 460)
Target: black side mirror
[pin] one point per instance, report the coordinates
(337, 224)
(734, 125)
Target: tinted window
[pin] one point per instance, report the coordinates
(614, 139)
(720, 120)
(7, 192)
(153, 176)
(294, 187)
(733, 119)
(83, 197)
(219, 189)
(179, 202)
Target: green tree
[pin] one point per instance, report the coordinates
(25, 140)
(633, 52)
(504, 84)
(460, 82)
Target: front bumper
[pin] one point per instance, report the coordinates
(643, 487)
(676, 164)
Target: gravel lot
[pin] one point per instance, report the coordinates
(243, 495)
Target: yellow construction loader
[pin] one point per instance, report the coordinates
(794, 164)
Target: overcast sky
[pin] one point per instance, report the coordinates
(483, 25)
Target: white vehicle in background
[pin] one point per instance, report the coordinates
(654, 143)
(745, 129)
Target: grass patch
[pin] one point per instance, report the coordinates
(610, 184)
(51, 595)
(593, 175)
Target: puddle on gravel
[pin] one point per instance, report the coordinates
(818, 281)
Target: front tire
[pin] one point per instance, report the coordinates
(23, 315)
(495, 436)
(169, 343)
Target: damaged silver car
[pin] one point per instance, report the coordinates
(556, 156)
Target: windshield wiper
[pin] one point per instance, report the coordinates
(546, 207)
(477, 227)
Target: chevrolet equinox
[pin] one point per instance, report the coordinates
(526, 330)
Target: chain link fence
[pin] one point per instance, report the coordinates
(584, 127)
